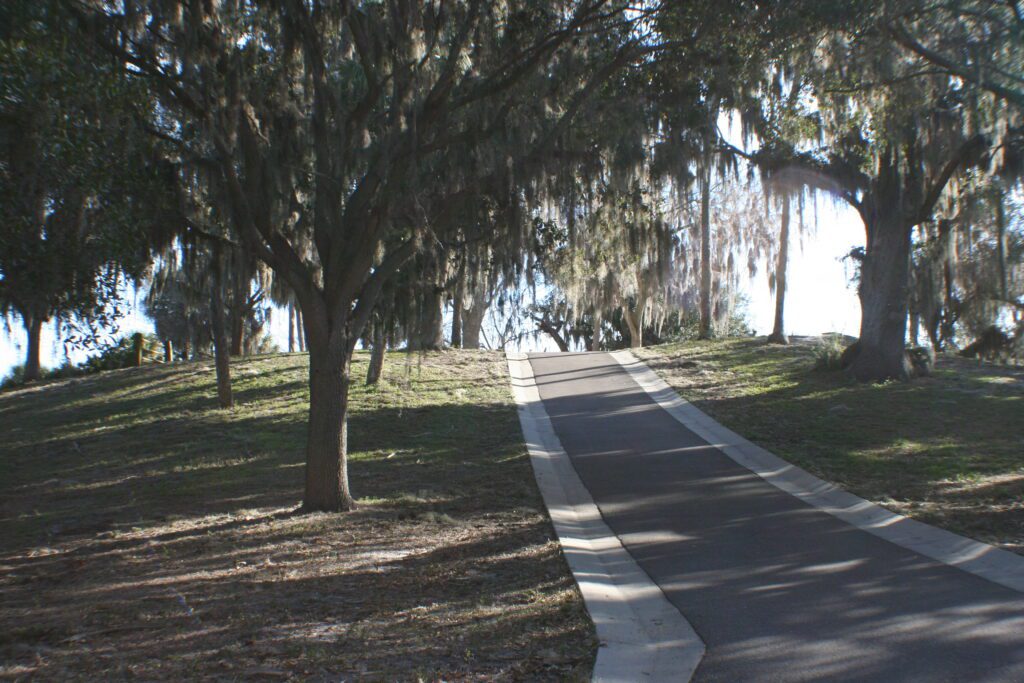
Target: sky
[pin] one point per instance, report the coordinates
(819, 296)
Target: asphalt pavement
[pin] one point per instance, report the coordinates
(778, 590)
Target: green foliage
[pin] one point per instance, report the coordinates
(81, 185)
(114, 356)
(16, 376)
(828, 353)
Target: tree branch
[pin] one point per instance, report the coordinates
(971, 148)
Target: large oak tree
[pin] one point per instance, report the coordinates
(335, 127)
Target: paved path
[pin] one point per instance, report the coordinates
(778, 590)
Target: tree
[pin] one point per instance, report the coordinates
(897, 134)
(331, 124)
(179, 307)
(82, 187)
(979, 41)
(618, 254)
(966, 269)
(894, 170)
(778, 334)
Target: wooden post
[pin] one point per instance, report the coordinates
(137, 340)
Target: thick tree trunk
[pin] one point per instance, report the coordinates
(473, 322)
(595, 338)
(327, 488)
(378, 348)
(185, 349)
(705, 254)
(884, 293)
(222, 359)
(634, 320)
(429, 335)
(168, 351)
(33, 330)
(778, 335)
(434, 329)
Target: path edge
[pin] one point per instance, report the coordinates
(642, 635)
(974, 557)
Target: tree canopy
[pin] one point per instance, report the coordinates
(372, 165)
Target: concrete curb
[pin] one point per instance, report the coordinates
(643, 636)
(988, 562)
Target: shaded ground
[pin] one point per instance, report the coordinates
(148, 535)
(947, 450)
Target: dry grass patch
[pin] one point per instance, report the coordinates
(147, 535)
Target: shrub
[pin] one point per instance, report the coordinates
(119, 354)
(828, 353)
(922, 360)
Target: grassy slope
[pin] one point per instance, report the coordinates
(146, 534)
(948, 450)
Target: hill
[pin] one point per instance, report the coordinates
(147, 534)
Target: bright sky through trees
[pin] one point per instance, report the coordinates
(821, 299)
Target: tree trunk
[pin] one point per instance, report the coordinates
(883, 293)
(300, 329)
(429, 335)
(551, 329)
(168, 351)
(434, 330)
(1001, 246)
(222, 359)
(291, 328)
(634, 323)
(473, 321)
(457, 301)
(457, 324)
(237, 333)
(377, 350)
(595, 338)
(778, 335)
(705, 253)
(915, 329)
(33, 329)
(327, 488)
(185, 349)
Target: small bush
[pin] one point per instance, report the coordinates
(828, 353)
(922, 360)
(121, 354)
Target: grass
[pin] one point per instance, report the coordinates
(147, 534)
(947, 450)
